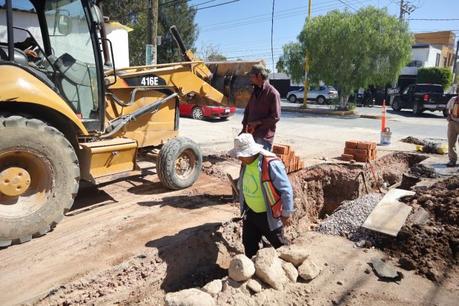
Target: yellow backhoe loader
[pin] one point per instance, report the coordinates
(67, 114)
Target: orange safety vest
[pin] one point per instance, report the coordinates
(455, 110)
(272, 195)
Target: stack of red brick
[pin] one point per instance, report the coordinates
(291, 161)
(360, 151)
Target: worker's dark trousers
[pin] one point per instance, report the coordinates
(255, 225)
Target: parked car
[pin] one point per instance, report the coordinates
(205, 111)
(321, 94)
(421, 97)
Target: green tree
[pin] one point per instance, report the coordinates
(292, 61)
(133, 13)
(352, 50)
(442, 76)
(211, 53)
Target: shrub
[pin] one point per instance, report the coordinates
(442, 76)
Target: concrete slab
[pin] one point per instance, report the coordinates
(389, 215)
(438, 163)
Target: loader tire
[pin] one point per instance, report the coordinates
(39, 176)
(179, 163)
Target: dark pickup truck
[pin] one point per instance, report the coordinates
(421, 97)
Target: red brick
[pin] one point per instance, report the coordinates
(361, 157)
(281, 149)
(373, 154)
(349, 151)
(352, 144)
(301, 165)
(347, 157)
(364, 145)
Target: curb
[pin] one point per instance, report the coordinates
(320, 112)
(374, 117)
(371, 116)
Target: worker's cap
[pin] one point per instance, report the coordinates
(258, 69)
(245, 146)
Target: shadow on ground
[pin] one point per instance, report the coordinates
(193, 256)
(190, 202)
(409, 114)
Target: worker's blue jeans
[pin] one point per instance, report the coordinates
(266, 145)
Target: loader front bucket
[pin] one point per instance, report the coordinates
(232, 80)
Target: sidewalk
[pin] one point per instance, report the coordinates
(374, 112)
(326, 110)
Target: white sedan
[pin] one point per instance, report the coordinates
(321, 94)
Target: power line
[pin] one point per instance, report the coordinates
(348, 5)
(169, 3)
(215, 5)
(202, 3)
(173, 2)
(294, 9)
(435, 19)
(261, 18)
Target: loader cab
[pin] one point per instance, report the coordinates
(59, 42)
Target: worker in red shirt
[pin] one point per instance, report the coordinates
(263, 110)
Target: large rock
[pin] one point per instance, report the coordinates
(189, 297)
(290, 271)
(294, 254)
(241, 268)
(214, 287)
(268, 267)
(308, 270)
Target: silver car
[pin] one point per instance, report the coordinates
(321, 94)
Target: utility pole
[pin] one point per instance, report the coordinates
(406, 8)
(151, 54)
(401, 10)
(154, 36)
(306, 65)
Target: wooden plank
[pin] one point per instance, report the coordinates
(390, 214)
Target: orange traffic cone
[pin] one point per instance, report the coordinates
(385, 131)
(383, 117)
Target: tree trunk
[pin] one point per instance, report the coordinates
(343, 102)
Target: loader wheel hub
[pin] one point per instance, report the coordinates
(14, 181)
(185, 164)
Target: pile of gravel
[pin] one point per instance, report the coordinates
(348, 219)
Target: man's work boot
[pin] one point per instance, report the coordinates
(451, 164)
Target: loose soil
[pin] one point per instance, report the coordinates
(157, 241)
(432, 249)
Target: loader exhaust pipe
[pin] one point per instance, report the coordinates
(178, 39)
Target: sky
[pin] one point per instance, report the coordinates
(242, 29)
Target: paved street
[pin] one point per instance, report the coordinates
(317, 136)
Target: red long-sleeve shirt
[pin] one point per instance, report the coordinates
(263, 106)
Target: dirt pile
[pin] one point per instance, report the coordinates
(430, 247)
(118, 283)
(191, 258)
(216, 165)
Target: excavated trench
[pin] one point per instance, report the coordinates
(318, 190)
(195, 256)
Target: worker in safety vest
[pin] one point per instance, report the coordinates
(265, 194)
(453, 130)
